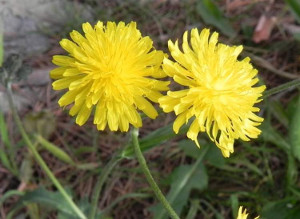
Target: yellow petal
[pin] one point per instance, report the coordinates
(193, 132)
(83, 115)
(62, 60)
(146, 107)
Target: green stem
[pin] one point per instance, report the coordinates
(155, 188)
(280, 88)
(38, 158)
(102, 178)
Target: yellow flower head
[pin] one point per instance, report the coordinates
(218, 94)
(243, 214)
(113, 68)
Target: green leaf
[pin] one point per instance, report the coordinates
(83, 150)
(234, 205)
(53, 200)
(10, 193)
(287, 209)
(277, 110)
(88, 166)
(42, 122)
(84, 206)
(249, 166)
(211, 14)
(55, 150)
(213, 155)
(33, 211)
(6, 160)
(269, 134)
(296, 36)
(3, 131)
(294, 5)
(183, 179)
(292, 171)
(190, 148)
(193, 209)
(294, 132)
(26, 170)
(291, 108)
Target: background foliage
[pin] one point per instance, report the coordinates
(262, 175)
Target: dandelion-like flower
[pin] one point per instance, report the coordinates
(243, 214)
(111, 69)
(218, 93)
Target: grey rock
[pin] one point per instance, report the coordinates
(39, 77)
(27, 26)
(24, 22)
(19, 102)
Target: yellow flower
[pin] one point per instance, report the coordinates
(218, 93)
(243, 214)
(111, 68)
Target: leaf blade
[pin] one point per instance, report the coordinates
(295, 8)
(211, 14)
(55, 150)
(294, 133)
(184, 178)
(47, 198)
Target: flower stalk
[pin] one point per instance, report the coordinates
(38, 158)
(280, 88)
(149, 177)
